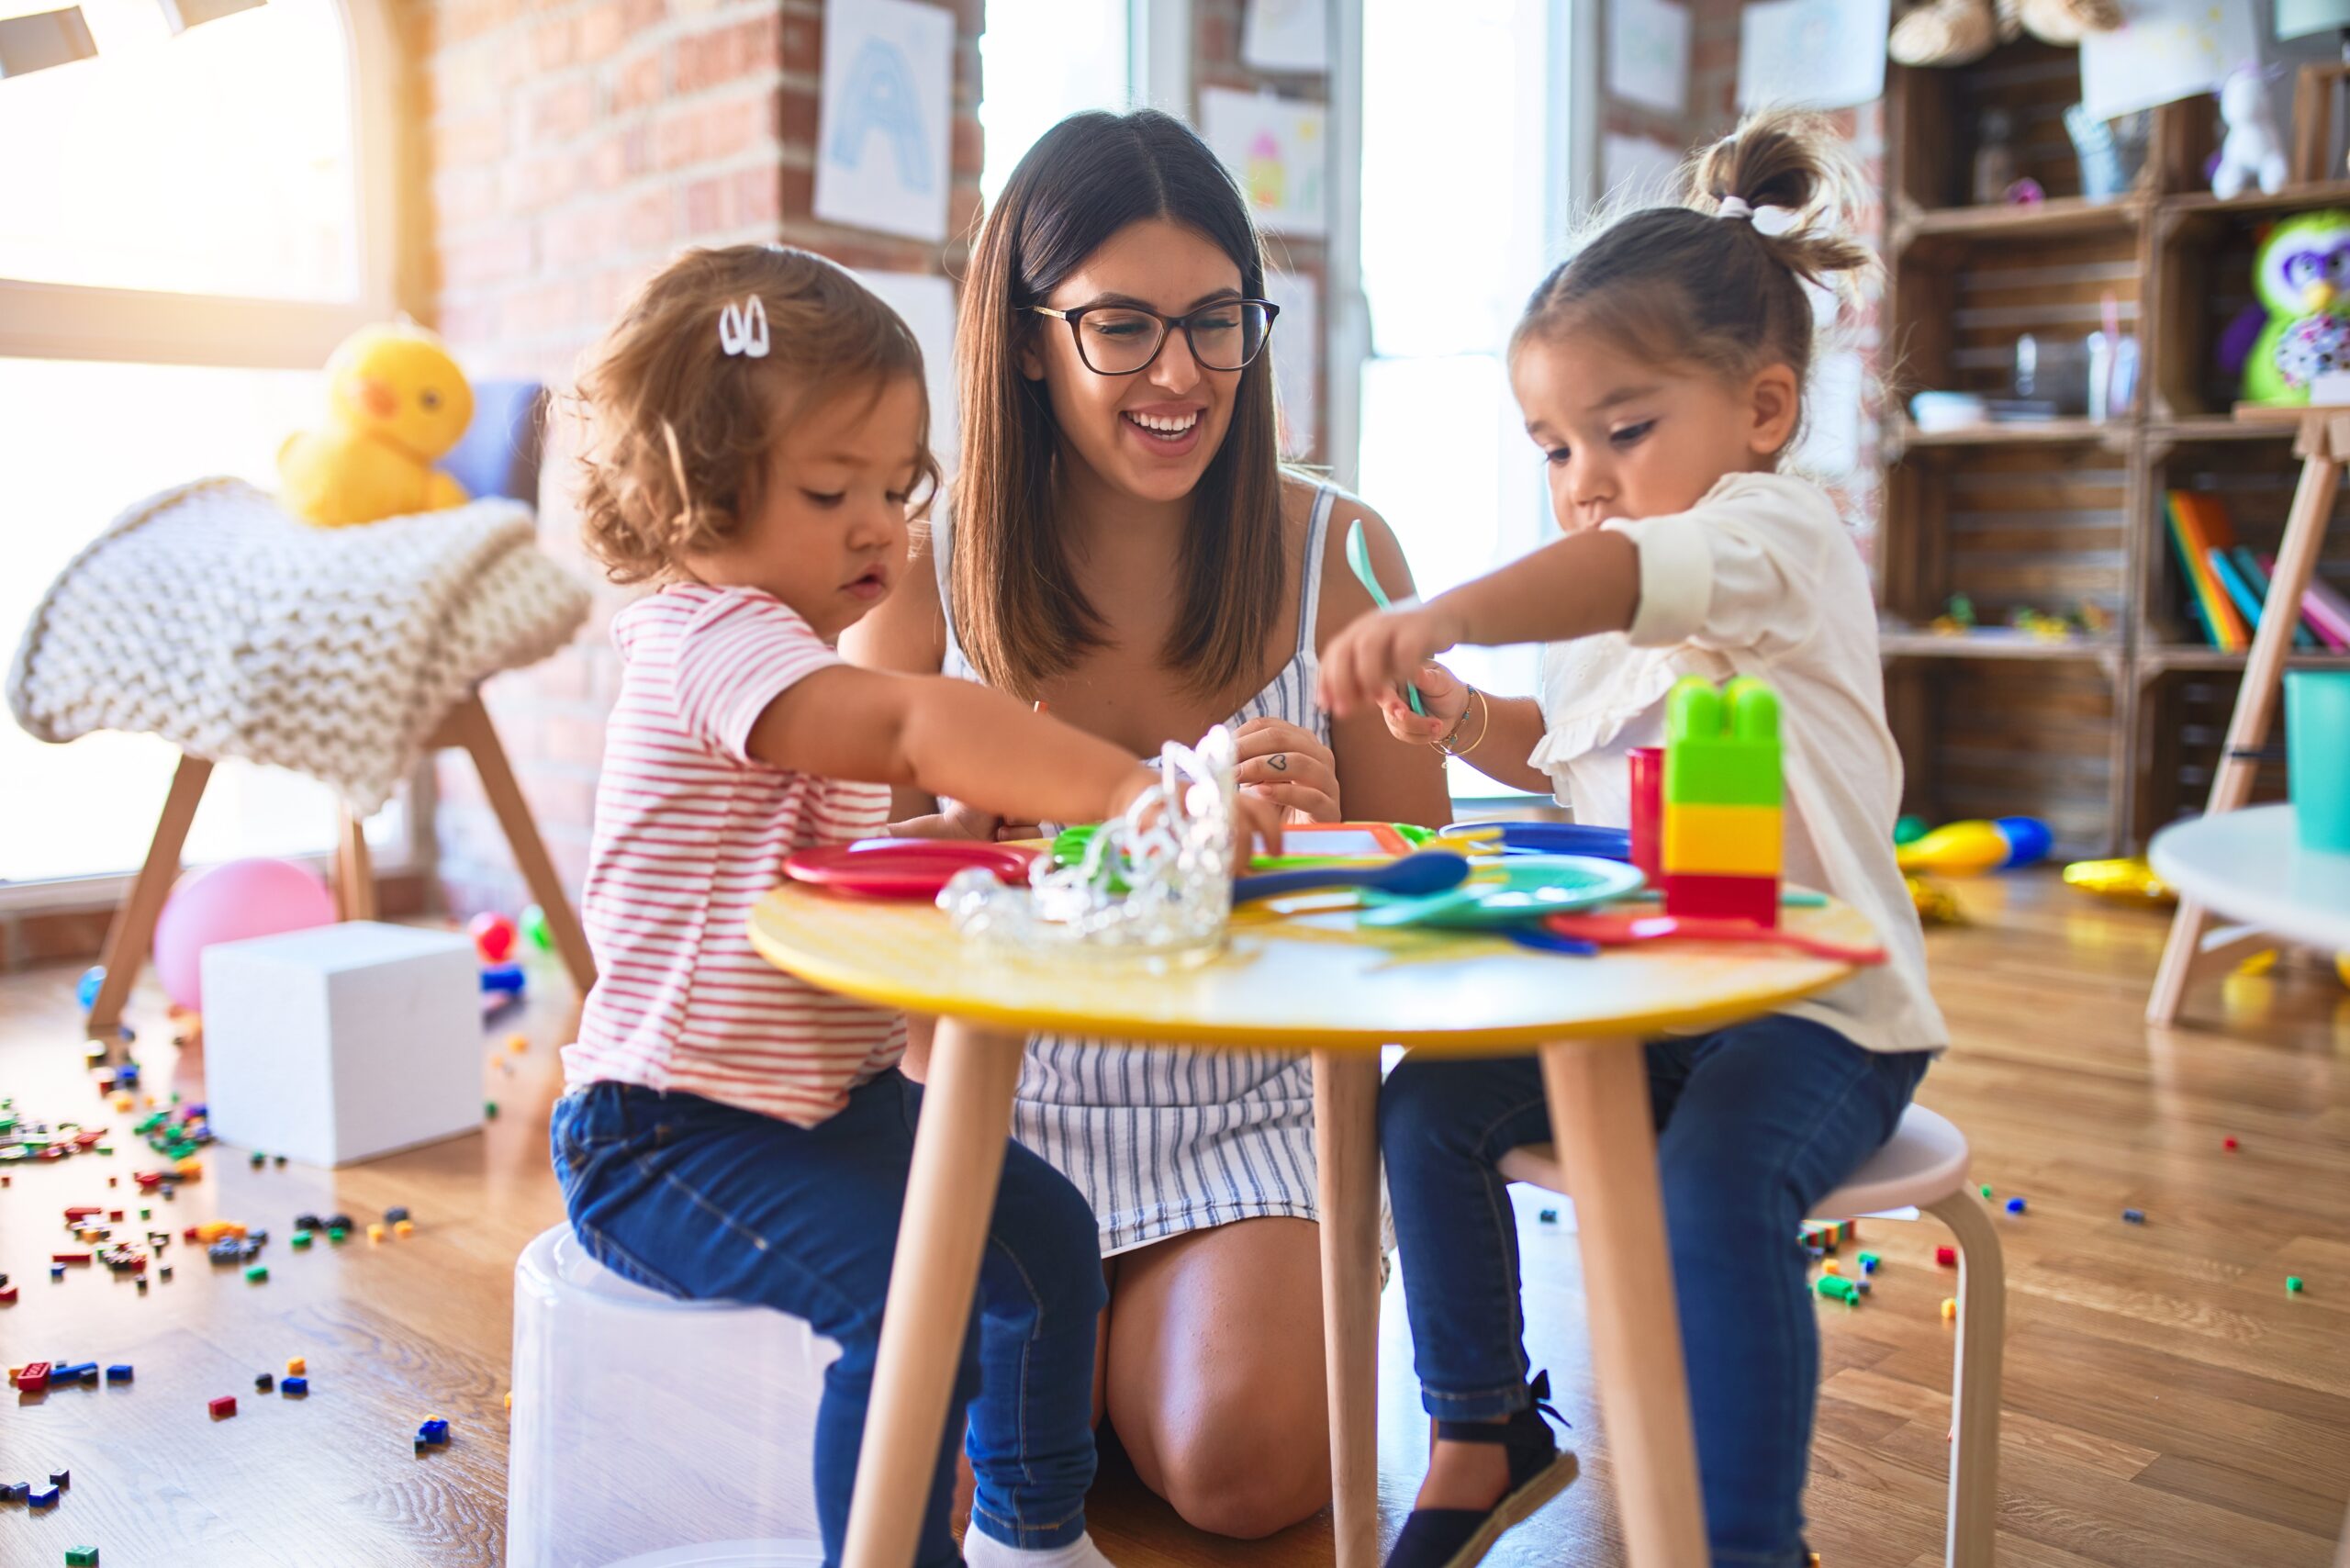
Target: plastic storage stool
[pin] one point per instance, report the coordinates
(653, 1433)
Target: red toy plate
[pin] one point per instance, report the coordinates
(903, 868)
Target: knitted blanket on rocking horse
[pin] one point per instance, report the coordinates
(210, 617)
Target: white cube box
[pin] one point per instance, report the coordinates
(343, 1042)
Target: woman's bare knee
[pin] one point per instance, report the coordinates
(1244, 1472)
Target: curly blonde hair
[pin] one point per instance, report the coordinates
(679, 431)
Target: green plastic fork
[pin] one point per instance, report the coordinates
(1359, 558)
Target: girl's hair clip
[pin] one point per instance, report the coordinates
(742, 328)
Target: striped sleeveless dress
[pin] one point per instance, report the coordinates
(1177, 1138)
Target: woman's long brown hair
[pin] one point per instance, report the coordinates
(1017, 610)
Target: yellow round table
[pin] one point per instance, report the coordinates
(1299, 974)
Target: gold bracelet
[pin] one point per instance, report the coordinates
(1449, 744)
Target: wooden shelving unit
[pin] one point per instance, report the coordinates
(2109, 737)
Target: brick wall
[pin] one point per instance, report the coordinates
(571, 147)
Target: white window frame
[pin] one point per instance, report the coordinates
(69, 321)
(1573, 136)
(60, 321)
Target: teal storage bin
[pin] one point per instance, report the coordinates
(2317, 756)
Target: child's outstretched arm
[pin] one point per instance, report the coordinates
(960, 739)
(1584, 584)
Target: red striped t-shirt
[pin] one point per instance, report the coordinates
(690, 830)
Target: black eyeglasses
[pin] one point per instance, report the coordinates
(1122, 340)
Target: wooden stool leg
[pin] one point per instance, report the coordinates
(1975, 1381)
(2177, 970)
(354, 870)
(1600, 1115)
(2324, 442)
(1345, 1151)
(468, 725)
(950, 1192)
(134, 920)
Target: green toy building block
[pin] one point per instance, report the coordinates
(81, 1557)
(1721, 748)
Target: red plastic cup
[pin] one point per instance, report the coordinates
(1647, 811)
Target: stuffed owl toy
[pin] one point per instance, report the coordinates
(2301, 274)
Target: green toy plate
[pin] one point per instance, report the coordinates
(1504, 892)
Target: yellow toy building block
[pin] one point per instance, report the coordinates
(1722, 841)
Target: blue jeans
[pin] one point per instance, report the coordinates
(1755, 1123)
(706, 1201)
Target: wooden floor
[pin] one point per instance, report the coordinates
(2167, 1402)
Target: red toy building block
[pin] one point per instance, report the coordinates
(69, 1257)
(33, 1378)
(1946, 1256)
(1732, 898)
(79, 1210)
(225, 1405)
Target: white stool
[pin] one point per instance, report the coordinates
(1924, 1166)
(653, 1433)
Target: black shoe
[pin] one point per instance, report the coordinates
(1539, 1471)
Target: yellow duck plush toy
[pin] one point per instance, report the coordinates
(396, 402)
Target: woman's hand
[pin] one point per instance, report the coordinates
(1285, 764)
(1255, 819)
(1377, 654)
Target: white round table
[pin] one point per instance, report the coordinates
(2249, 865)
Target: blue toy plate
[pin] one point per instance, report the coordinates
(1504, 891)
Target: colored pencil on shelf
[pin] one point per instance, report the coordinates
(2220, 623)
(2328, 611)
(2232, 581)
(2257, 575)
(2332, 632)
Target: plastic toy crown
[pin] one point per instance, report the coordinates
(1156, 882)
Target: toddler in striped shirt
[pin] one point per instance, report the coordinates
(757, 442)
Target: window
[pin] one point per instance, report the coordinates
(1041, 62)
(189, 223)
(1463, 134)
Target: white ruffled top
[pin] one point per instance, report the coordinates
(1760, 578)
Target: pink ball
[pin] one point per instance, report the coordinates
(493, 936)
(230, 903)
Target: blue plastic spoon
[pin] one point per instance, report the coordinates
(1430, 871)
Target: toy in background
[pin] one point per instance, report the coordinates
(1959, 32)
(396, 402)
(1966, 848)
(1995, 157)
(493, 936)
(2132, 880)
(1724, 801)
(1958, 618)
(230, 903)
(2254, 149)
(2301, 273)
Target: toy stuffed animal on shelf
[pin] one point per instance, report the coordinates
(2301, 275)
(396, 403)
(1959, 32)
(2254, 149)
